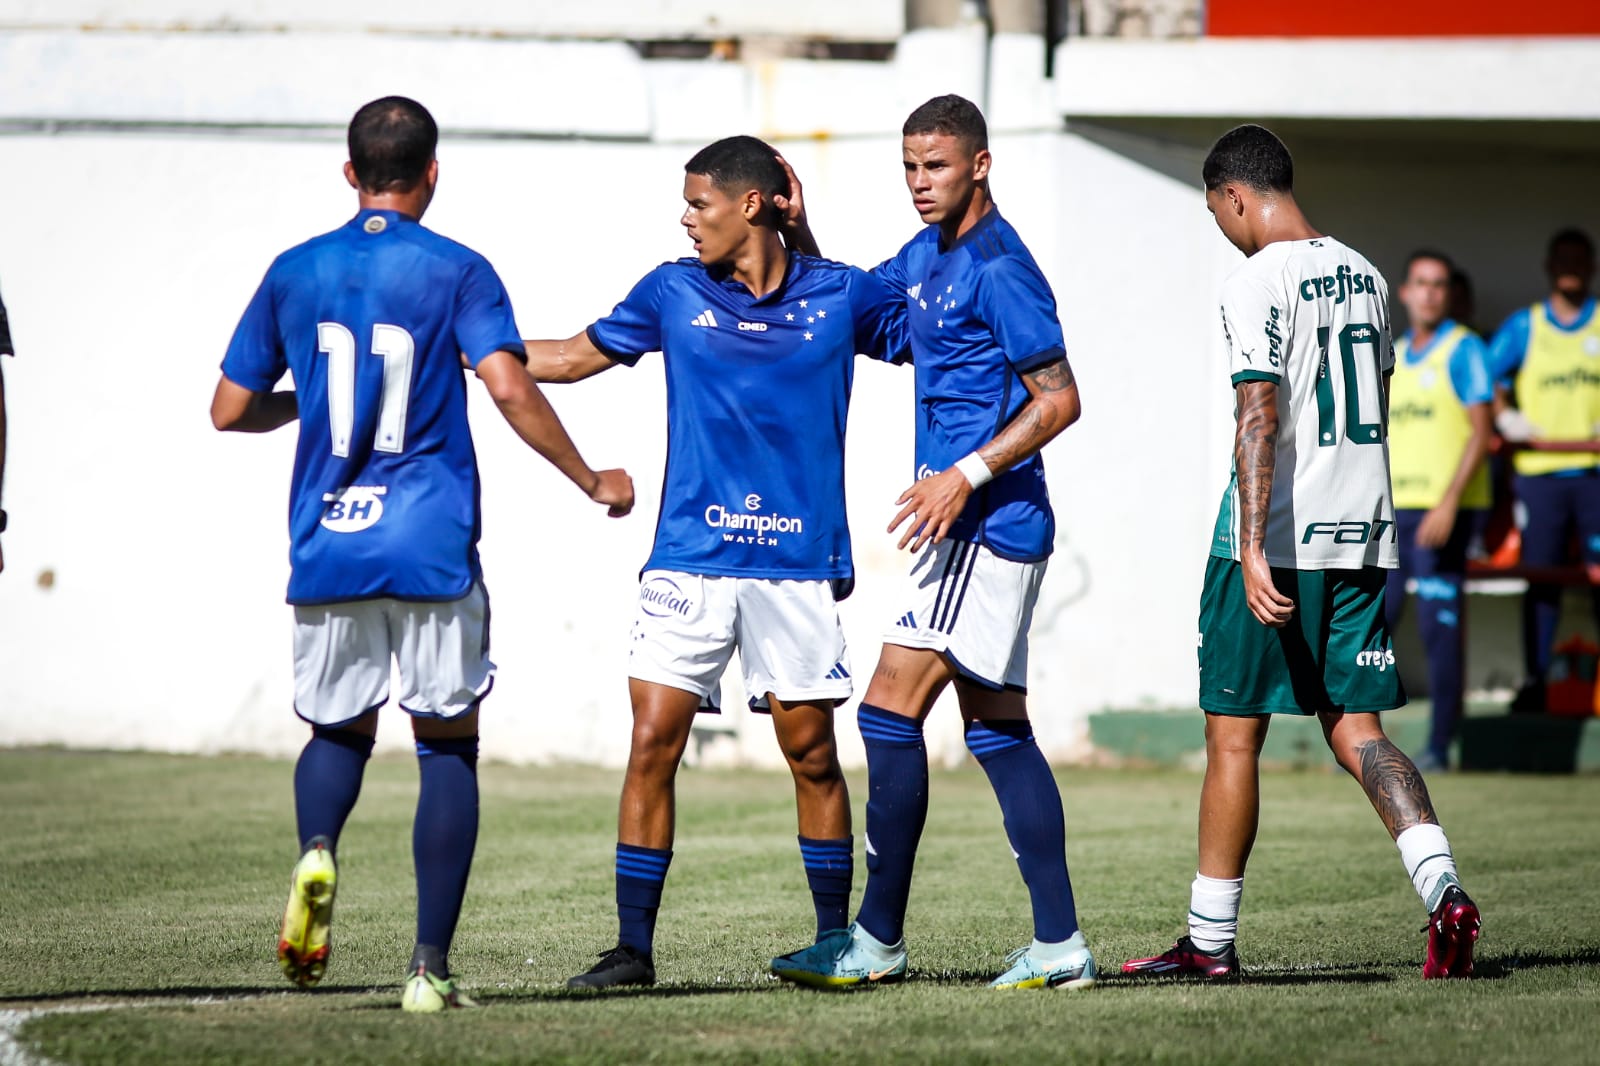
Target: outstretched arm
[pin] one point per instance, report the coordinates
(563, 362)
(530, 414)
(938, 501)
(1255, 456)
(243, 410)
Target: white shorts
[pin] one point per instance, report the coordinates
(342, 652)
(975, 608)
(788, 634)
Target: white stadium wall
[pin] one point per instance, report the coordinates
(141, 200)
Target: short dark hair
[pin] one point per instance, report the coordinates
(1428, 253)
(1250, 155)
(392, 141)
(737, 164)
(1570, 235)
(952, 115)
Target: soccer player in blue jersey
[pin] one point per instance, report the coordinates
(993, 387)
(374, 322)
(751, 548)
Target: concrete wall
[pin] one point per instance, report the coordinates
(141, 604)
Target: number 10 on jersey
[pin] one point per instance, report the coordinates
(397, 349)
(1356, 431)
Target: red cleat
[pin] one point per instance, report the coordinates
(1452, 931)
(1183, 959)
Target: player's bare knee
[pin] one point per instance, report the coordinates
(462, 725)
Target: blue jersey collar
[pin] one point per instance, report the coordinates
(363, 219)
(1578, 323)
(723, 276)
(989, 219)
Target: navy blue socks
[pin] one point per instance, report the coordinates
(327, 780)
(640, 874)
(1031, 805)
(897, 808)
(443, 838)
(830, 868)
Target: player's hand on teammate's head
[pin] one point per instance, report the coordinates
(614, 488)
(791, 207)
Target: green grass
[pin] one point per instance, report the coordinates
(144, 891)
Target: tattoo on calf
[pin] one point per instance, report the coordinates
(1395, 787)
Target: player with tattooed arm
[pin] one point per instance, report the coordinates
(1292, 610)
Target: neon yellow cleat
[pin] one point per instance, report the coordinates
(427, 994)
(304, 942)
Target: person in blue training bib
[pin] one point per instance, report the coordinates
(751, 547)
(1441, 419)
(993, 387)
(1545, 360)
(375, 321)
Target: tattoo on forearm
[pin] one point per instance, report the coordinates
(1255, 454)
(1036, 424)
(1395, 787)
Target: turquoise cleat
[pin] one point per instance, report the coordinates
(844, 958)
(1075, 970)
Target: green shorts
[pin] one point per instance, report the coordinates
(1334, 654)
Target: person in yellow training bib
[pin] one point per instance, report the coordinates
(1441, 416)
(1549, 356)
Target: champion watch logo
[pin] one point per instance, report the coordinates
(705, 318)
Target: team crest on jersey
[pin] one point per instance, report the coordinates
(1591, 346)
(353, 509)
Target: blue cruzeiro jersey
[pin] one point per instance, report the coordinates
(372, 320)
(981, 314)
(757, 395)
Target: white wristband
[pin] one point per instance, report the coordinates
(975, 470)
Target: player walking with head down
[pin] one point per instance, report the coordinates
(993, 387)
(751, 547)
(1292, 612)
(384, 516)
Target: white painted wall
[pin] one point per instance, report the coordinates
(141, 605)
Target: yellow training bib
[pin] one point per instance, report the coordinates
(1558, 388)
(1429, 428)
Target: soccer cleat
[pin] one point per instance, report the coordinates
(1025, 971)
(618, 966)
(1183, 959)
(427, 994)
(1452, 930)
(841, 958)
(305, 939)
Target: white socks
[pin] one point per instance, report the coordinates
(1214, 911)
(1053, 955)
(1426, 855)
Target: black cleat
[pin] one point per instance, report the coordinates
(1183, 959)
(619, 966)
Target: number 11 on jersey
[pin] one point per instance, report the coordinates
(398, 349)
(1356, 431)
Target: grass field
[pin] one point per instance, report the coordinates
(141, 893)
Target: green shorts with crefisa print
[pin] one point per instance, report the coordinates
(1334, 654)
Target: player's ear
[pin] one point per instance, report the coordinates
(433, 172)
(980, 164)
(751, 205)
(350, 175)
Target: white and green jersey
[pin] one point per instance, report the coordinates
(1313, 316)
